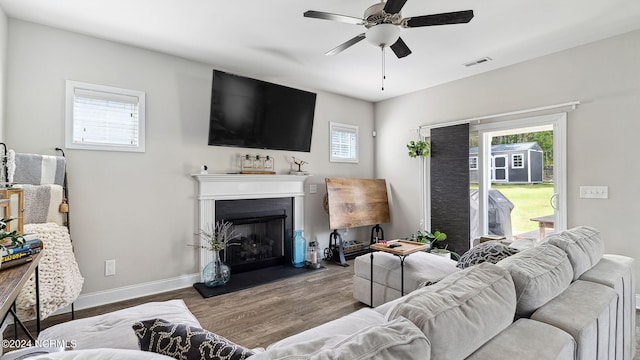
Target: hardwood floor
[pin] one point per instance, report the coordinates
(258, 316)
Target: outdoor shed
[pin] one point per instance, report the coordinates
(511, 163)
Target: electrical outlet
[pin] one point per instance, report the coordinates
(594, 192)
(110, 267)
(313, 188)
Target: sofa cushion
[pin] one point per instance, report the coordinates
(182, 341)
(113, 330)
(345, 325)
(528, 339)
(539, 275)
(587, 311)
(583, 246)
(397, 339)
(461, 311)
(489, 251)
(617, 272)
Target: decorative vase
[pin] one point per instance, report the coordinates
(216, 273)
(299, 249)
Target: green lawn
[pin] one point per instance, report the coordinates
(528, 201)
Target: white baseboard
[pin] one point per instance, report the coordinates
(99, 298)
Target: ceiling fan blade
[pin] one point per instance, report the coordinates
(394, 6)
(333, 17)
(457, 17)
(345, 45)
(400, 49)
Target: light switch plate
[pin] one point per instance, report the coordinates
(313, 188)
(594, 192)
(110, 267)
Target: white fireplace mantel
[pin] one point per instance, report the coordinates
(213, 187)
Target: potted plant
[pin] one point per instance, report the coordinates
(444, 252)
(434, 240)
(217, 273)
(418, 148)
(427, 237)
(436, 249)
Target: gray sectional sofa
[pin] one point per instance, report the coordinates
(563, 299)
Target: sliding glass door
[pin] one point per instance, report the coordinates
(518, 177)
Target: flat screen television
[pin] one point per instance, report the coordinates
(252, 113)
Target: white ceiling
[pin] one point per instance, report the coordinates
(272, 41)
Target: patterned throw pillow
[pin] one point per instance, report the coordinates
(490, 251)
(185, 342)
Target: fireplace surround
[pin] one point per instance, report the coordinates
(215, 189)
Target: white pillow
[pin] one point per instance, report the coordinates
(102, 354)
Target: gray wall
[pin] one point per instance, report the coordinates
(139, 208)
(3, 71)
(604, 76)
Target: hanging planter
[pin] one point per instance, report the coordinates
(418, 148)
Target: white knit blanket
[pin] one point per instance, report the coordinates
(58, 273)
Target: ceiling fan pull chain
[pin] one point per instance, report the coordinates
(384, 76)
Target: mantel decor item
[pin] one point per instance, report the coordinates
(298, 162)
(217, 273)
(257, 164)
(418, 148)
(299, 249)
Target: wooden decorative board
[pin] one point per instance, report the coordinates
(357, 202)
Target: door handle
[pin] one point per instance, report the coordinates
(554, 201)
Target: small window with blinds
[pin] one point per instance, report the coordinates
(102, 117)
(344, 143)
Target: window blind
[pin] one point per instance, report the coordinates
(105, 118)
(344, 143)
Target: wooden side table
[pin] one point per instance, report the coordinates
(12, 280)
(404, 249)
(543, 223)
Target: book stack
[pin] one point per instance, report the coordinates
(17, 255)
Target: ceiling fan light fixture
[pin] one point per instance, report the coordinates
(383, 34)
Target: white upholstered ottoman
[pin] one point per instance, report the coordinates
(113, 330)
(418, 268)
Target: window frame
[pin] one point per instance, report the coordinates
(475, 162)
(111, 93)
(355, 158)
(513, 161)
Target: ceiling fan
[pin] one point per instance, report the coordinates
(383, 22)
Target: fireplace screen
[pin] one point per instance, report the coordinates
(259, 242)
(263, 229)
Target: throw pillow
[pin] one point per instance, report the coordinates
(185, 342)
(490, 251)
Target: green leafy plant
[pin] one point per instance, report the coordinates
(9, 238)
(219, 236)
(418, 148)
(428, 237)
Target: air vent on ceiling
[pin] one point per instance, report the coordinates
(479, 61)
